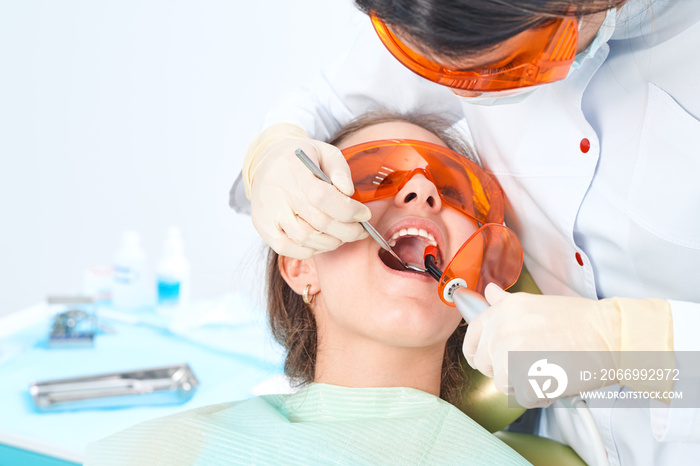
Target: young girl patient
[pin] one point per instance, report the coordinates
(373, 349)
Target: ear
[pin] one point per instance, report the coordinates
(299, 273)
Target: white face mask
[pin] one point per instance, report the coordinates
(515, 96)
(604, 34)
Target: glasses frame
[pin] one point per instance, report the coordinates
(557, 43)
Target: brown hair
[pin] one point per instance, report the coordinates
(440, 127)
(291, 320)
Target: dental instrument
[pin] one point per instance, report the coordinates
(73, 321)
(366, 225)
(469, 303)
(152, 386)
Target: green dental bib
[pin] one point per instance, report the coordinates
(320, 424)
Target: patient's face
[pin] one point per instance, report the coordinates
(361, 296)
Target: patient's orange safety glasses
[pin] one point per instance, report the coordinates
(381, 168)
(541, 55)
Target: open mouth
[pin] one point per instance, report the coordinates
(409, 244)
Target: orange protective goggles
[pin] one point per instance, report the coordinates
(381, 168)
(493, 253)
(543, 55)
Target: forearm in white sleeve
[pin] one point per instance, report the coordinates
(365, 78)
(669, 423)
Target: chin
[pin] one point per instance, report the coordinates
(419, 339)
(422, 324)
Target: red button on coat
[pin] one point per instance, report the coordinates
(579, 259)
(585, 145)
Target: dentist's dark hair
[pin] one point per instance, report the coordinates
(292, 321)
(465, 28)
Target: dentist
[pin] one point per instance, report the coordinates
(588, 114)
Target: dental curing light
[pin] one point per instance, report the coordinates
(469, 303)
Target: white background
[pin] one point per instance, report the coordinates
(135, 114)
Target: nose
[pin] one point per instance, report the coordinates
(419, 192)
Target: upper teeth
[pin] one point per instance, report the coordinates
(412, 232)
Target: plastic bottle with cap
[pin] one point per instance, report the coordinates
(173, 275)
(130, 288)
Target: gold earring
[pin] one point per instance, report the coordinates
(305, 296)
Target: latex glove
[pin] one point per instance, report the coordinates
(527, 322)
(297, 214)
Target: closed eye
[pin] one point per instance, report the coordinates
(451, 192)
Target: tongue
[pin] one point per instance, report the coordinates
(410, 249)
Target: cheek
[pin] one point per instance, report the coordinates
(352, 257)
(458, 228)
(344, 268)
(379, 208)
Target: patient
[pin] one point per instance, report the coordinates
(374, 351)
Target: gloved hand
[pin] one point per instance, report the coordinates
(297, 214)
(599, 329)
